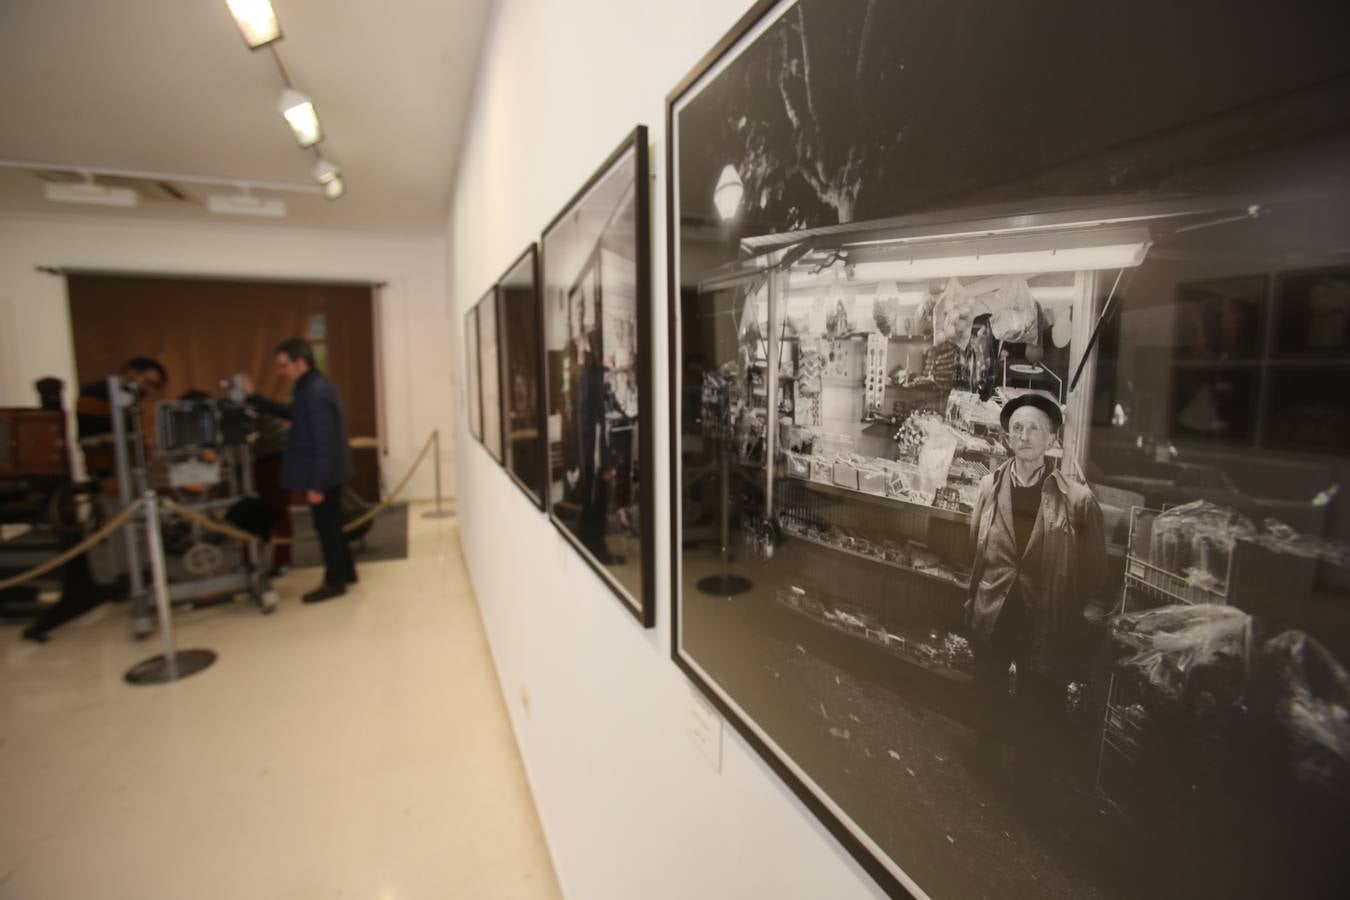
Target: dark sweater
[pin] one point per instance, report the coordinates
(1026, 505)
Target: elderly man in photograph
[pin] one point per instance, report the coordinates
(1039, 566)
(317, 460)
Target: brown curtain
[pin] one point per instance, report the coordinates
(205, 330)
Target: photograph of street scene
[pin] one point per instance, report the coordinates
(1012, 430)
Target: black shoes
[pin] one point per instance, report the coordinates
(32, 634)
(325, 592)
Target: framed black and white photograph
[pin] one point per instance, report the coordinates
(522, 375)
(473, 395)
(489, 373)
(597, 334)
(1009, 510)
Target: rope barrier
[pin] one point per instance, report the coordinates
(204, 521)
(56, 562)
(393, 495)
(228, 530)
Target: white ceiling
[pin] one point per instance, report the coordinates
(169, 86)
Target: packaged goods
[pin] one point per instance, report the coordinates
(1196, 540)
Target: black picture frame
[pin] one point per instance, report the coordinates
(640, 502)
(962, 200)
(489, 374)
(525, 422)
(473, 393)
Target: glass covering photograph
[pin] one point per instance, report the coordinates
(597, 302)
(473, 397)
(522, 375)
(489, 373)
(1010, 427)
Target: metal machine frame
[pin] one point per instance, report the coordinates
(134, 478)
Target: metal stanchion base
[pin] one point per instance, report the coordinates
(155, 670)
(724, 585)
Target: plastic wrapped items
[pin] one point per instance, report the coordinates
(1308, 693)
(1280, 538)
(1016, 316)
(1194, 655)
(935, 460)
(1196, 540)
(872, 480)
(798, 465)
(886, 313)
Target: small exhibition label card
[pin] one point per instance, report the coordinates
(705, 728)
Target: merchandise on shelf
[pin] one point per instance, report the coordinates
(1196, 541)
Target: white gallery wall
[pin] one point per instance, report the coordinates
(414, 331)
(630, 805)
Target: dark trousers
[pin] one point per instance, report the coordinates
(1033, 716)
(267, 479)
(337, 554)
(79, 594)
(595, 513)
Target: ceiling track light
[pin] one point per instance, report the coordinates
(301, 116)
(324, 171)
(257, 21)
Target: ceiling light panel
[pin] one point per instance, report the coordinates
(94, 194)
(257, 21)
(246, 205)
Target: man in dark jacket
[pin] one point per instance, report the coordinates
(1039, 570)
(317, 459)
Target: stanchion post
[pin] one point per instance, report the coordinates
(160, 583)
(438, 513)
(170, 665)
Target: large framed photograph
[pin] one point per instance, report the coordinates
(943, 289)
(523, 376)
(473, 395)
(597, 340)
(489, 373)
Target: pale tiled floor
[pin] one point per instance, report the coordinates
(353, 749)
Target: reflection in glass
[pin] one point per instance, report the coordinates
(473, 397)
(490, 374)
(591, 331)
(526, 450)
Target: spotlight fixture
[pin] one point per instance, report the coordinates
(257, 21)
(245, 204)
(334, 188)
(301, 116)
(324, 171)
(89, 191)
